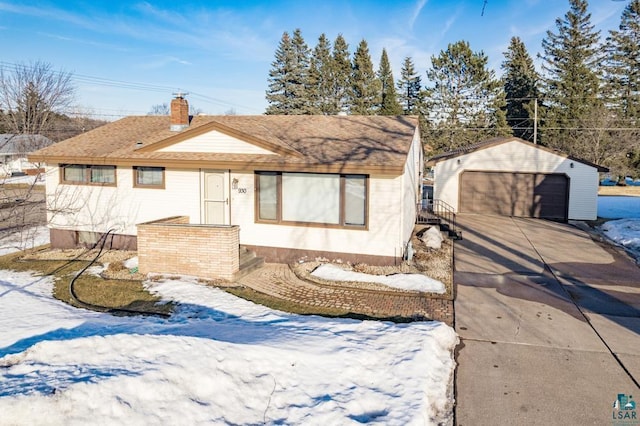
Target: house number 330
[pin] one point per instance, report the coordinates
(242, 190)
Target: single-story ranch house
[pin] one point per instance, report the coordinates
(14, 150)
(283, 186)
(512, 177)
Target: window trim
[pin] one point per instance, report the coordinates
(86, 175)
(148, 186)
(342, 213)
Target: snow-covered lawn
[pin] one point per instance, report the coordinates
(618, 207)
(23, 239)
(626, 230)
(218, 360)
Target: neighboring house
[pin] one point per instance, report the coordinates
(510, 176)
(14, 150)
(340, 187)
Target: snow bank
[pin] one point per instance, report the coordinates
(218, 360)
(625, 232)
(415, 282)
(432, 238)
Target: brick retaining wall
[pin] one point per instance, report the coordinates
(173, 246)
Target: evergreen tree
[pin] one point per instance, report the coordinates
(288, 77)
(321, 78)
(465, 102)
(521, 89)
(410, 90)
(341, 71)
(623, 65)
(365, 86)
(572, 78)
(389, 98)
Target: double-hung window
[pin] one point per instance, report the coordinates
(337, 200)
(88, 174)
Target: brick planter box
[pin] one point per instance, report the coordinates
(173, 246)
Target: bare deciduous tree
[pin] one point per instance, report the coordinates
(31, 95)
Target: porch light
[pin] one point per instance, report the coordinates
(234, 183)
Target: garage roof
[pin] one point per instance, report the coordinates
(501, 140)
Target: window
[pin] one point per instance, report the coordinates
(267, 196)
(88, 174)
(148, 177)
(312, 198)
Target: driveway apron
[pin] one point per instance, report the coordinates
(549, 322)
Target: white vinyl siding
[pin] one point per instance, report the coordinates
(217, 142)
(100, 208)
(526, 158)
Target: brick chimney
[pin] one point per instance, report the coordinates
(179, 113)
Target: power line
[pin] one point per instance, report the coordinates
(107, 82)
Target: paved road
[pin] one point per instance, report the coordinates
(549, 322)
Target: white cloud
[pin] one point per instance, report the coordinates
(416, 12)
(160, 61)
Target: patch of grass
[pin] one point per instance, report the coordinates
(90, 288)
(39, 188)
(632, 191)
(281, 304)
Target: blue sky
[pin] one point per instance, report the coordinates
(220, 52)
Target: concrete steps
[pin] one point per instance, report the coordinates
(249, 262)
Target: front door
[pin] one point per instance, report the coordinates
(215, 197)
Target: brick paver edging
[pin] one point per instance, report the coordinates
(279, 280)
(366, 286)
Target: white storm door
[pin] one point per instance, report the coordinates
(215, 197)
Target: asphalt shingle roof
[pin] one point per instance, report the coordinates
(296, 141)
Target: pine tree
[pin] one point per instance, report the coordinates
(464, 105)
(389, 98)
(521, 89)
(623, 65)
(341, 71)
(365, 86)
(321, 78)
(410, 91)
(623, 94)
(288, 77)
(572, 78)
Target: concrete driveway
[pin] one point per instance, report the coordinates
(549, 322)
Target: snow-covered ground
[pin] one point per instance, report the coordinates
(218, 360)
(31, 180)
(416, 282)
(618, 207)
(624, 231)
(23, 239)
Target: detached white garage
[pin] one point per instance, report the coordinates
(512, 177)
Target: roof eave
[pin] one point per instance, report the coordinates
(283, 166)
